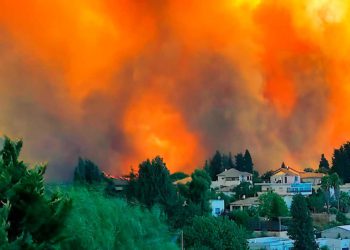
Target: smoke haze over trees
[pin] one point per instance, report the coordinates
(119, 82)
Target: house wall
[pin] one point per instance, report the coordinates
(314, 181)
(334, 244)
(285, 179)
(335, 232)
(217, 207)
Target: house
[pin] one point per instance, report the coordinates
(309, 177)
(270, 243)
(337, 232)
(287, 189)
(231, 178)
(334, 244)
(345, 188)
(245, 203)
(217, 207)
(285, 175)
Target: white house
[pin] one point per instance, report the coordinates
(217, 207)
(337, 232)
(231, 178)
(270, 243)
(334, 244)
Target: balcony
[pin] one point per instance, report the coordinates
(300, 188)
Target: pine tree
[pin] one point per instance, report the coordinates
(240, 163)
(87, 172)
(29, 219)
(301, 228)
(216, 166)
(248, 162)
(323, 167)
(283, 165)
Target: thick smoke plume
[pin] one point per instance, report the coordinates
(121, 81)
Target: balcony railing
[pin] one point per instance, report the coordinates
(300, 188)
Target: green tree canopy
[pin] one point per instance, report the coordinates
(272, 206)
(245, 189)
(248, 162)
(301, 228)
(214, 233)
(29, 218)
(240, 163)
(199, 189)
(87, 172)
(341, 162)
(152, 184)
(323, 167)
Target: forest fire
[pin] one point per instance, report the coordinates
(122, 81)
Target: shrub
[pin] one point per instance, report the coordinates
(214, 233)
(333, 210)
(341, 217)
(99, 222)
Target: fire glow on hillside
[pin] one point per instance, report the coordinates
(121, 81)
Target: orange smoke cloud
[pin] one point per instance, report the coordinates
(121, 81)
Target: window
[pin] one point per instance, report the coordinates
(217, 210)
(285, 179)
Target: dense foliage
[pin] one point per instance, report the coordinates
(301, 228)
(341, 162)
(272, 206)
(214, 233)
(28, 218)
(99, 222)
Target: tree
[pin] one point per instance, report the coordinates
(272, 206)
(341, 162)
(267, 175)
(323, 167)
(214, 233)
(215, 166)
(199, 189)
(241, 217)
(344, 202)
(248, 162)
(240, 163)
(245, 189)
(152, 184)
(316, 201)
(326, 187)
(335, 182)
(301, 228)
(97, 221)
(256, 177)
(29, 218)
(87, 172)
(283, 165)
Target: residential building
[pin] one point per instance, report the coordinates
(287, 188)
(285, 175)
(270, 243)
(334, 244)
(337, 232)
(231, 178)
(345, 188)
(314, 178)
(217, 207)
(245, 203)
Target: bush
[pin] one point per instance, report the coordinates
(333, 210)
(214, 233)
(240, 217)
(341, 217)
(98, 222)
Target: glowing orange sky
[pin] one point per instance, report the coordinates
(290, 61)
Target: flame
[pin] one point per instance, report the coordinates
(280, 86)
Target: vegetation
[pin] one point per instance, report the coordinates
(323, 167)
(214, 233)
(245, 189)
(87, 172)
(341, 162)
(100, 222)
(178, 176)
(28, 218)
(301, 228)
(272, 206)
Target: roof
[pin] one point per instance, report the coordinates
(232, 172)
(344, 227)
(183, 181)
(246, 202)
(287, 171)
(311, 175)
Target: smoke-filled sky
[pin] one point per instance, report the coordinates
(121, 81)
